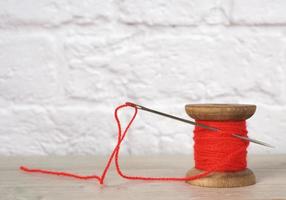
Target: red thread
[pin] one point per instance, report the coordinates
(211, 148)
(214, 151)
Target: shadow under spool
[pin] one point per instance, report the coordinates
(221, 112)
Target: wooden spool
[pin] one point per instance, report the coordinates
(221, 112)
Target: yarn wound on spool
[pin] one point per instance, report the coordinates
(211, 148)
(213, 151)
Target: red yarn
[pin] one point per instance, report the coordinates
(214, 151)
(212, 148)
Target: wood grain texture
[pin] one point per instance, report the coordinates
(223, 179)
(220, 112)
(16, 185)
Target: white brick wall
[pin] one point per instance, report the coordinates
(66, 64)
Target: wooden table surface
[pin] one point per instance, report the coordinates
(270, 172)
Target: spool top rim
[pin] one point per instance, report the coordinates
(220, 112)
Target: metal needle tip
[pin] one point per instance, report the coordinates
(253, 140)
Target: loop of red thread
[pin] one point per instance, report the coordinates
(225, 152)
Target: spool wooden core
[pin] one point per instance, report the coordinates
(221, 112)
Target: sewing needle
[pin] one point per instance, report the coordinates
(196, 124)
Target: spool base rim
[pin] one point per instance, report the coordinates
(223, 179)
